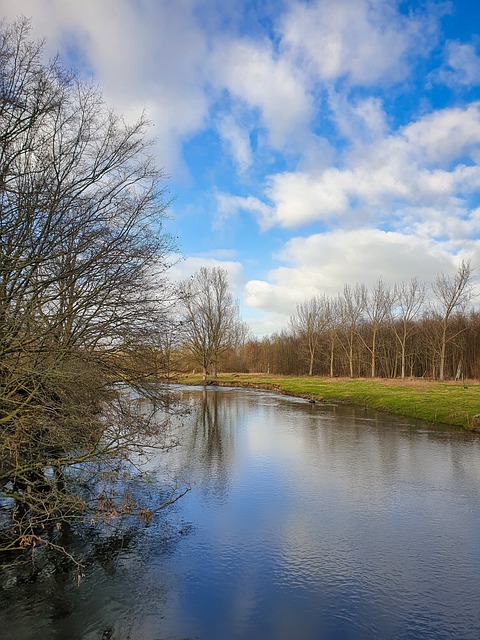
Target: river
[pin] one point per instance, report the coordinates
(304, 521)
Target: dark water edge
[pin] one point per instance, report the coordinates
(304, 521)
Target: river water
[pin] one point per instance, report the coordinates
(303, 521)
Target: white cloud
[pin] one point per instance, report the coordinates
(238, 141)
(462, 65)
(366, 40)
(323, 263)
(254, 75)
(339, 257)
(361, 120)
(270, 297)
(442, 136)
(428, 163)
(228, 206)
(144, 55)
(302, 197)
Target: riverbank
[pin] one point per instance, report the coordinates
(452, 403)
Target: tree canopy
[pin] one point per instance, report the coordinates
(82, 262)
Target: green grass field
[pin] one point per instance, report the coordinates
(443, 403)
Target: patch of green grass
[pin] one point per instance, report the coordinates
(445, 403)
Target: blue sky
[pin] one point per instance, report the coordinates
(307, 144)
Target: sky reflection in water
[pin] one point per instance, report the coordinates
(304, 522)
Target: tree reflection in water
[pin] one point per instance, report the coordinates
(303, 521)
(212, 439)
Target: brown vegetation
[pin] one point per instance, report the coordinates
(81, 290)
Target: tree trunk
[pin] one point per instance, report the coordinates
(374, 344)
(332, 355)
(441, 371)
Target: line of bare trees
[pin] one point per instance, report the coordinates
(405, 330)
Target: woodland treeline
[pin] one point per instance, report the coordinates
(408, 330)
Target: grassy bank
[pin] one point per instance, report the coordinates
(446, 403)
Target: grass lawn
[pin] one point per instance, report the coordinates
(453, 403)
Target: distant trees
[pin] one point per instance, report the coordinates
(211, 321)
(82, 258)
(408, 329)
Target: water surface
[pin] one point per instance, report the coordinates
(303, 522)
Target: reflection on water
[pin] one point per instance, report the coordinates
(304, 521)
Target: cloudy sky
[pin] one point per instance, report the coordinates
(308, 144)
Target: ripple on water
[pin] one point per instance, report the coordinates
(303, 523)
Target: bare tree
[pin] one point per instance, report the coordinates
(334, 310)
(377, 304)
(212, 323)
(309, 324)
(81, 207)
(409, 299)
(452, 293)
(351, 307)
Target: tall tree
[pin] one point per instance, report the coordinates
(82, 257)
(309, 324)
(377, 304)
(351, 309)
(212, 322)
(409, 299)
(453, 293)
